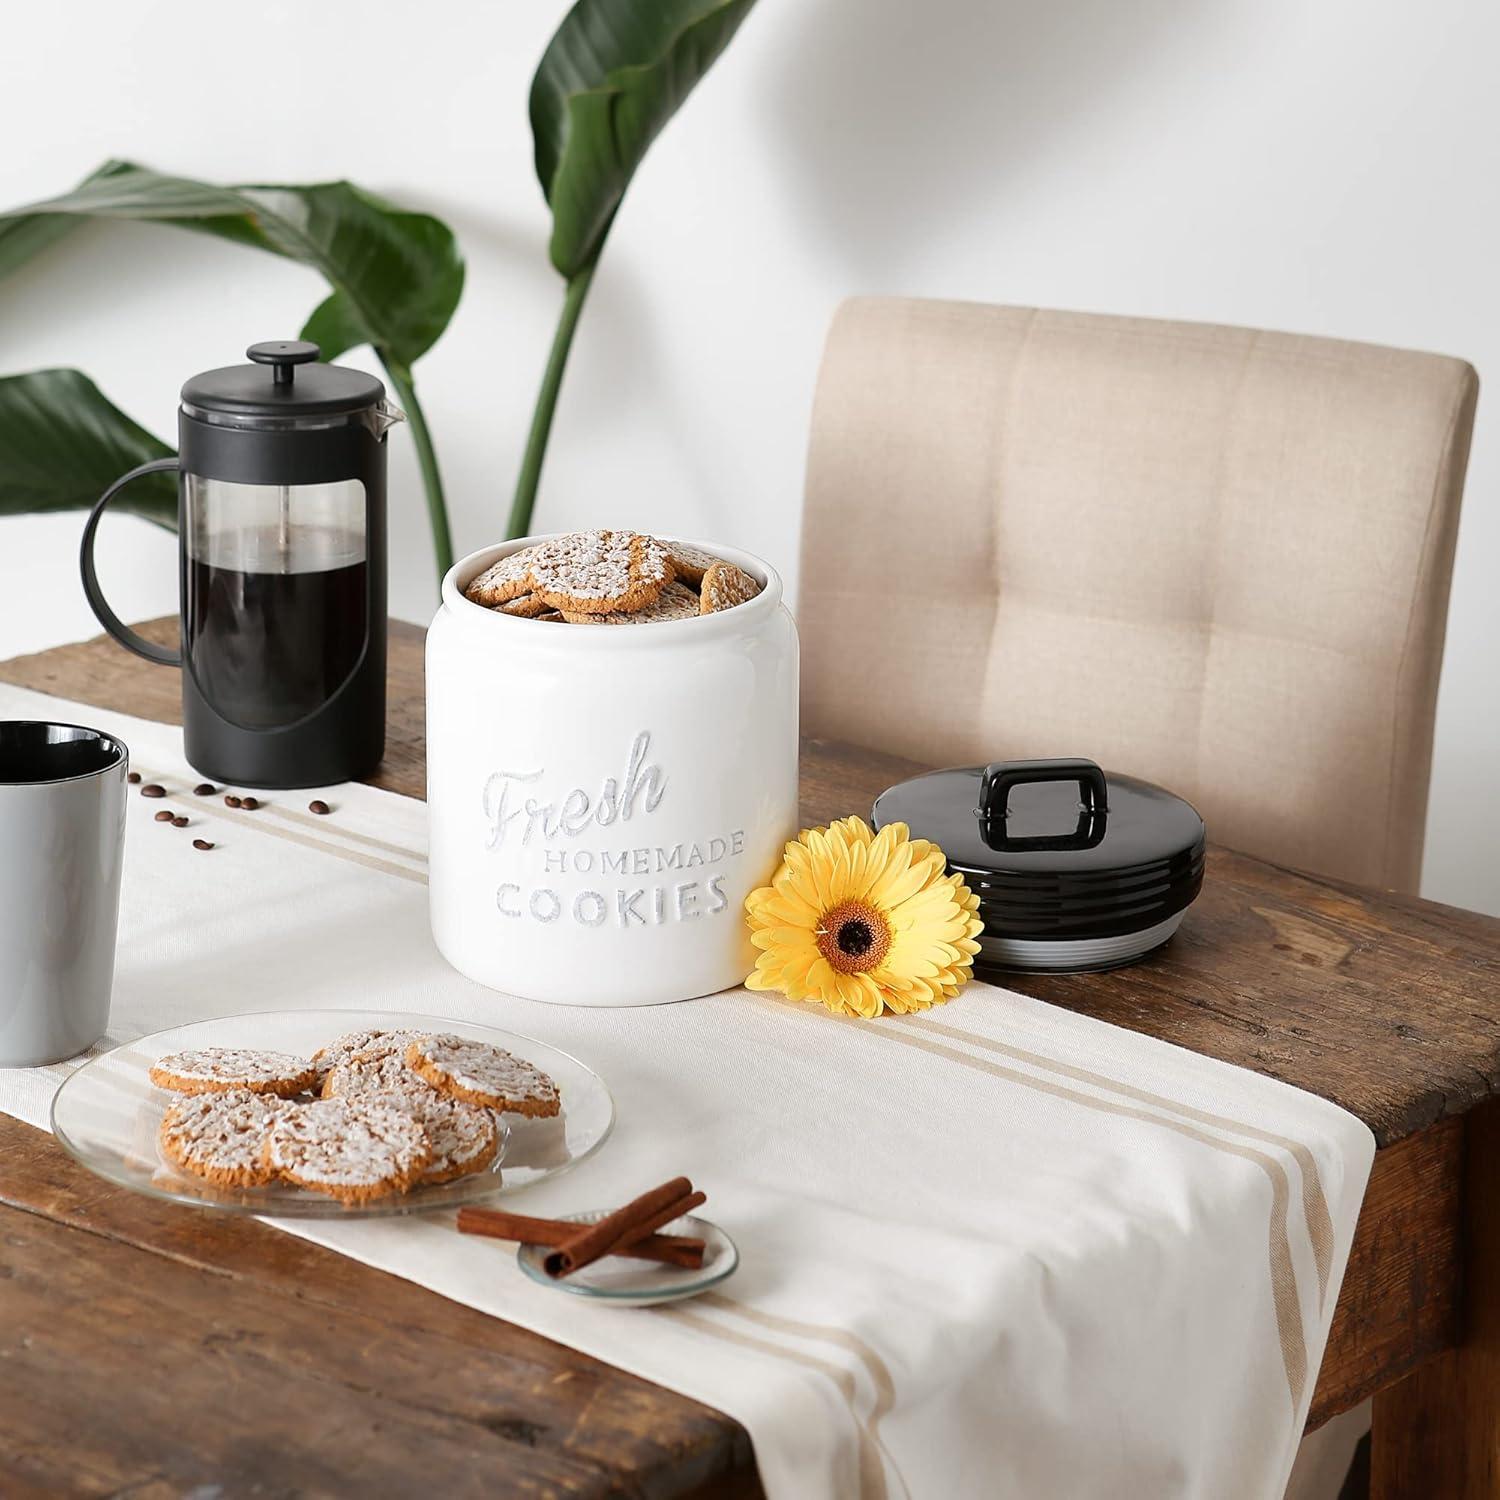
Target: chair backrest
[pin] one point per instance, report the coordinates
(1212, 557)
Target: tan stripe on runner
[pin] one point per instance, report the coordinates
(1314, 1201)
(338, 831)
(254, 821)
(1283, 1276)
(871, 1472)
(875, 1367)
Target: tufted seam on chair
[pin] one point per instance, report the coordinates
(996, 463)
(1211, 623)
(1437, 509)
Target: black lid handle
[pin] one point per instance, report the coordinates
(1001, 775)
(283, 355)
(994, 803)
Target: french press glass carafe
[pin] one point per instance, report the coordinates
(282, 537)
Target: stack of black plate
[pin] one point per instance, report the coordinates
(1074, 869)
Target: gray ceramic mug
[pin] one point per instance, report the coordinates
(62, 837)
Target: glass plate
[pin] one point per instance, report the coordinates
(624, 1282)
(107, 1114)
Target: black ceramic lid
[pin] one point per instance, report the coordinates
(283, 381)
(1038, 824)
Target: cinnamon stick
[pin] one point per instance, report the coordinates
(668, 1249)
(638, 1218)
(562, 1262)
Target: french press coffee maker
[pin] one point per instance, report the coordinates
(282, 535)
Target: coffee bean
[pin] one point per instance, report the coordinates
(151, 789)
(231, 801)
(249, 803)
(164, 816)
(179, 821)
(204, 789)
(320, 807)
(202, 844)
(133, 777)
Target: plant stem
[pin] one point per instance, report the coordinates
(546, 404)
(432, 483)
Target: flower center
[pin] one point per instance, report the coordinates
(854, 937)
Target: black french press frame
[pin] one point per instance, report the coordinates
(343, 738)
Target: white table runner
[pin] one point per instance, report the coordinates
(1000, 1249)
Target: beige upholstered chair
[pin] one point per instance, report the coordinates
(1212, 557)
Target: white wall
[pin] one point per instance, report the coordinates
(1327, 167)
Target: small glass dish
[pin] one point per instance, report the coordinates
(625, 1282)
(108, 1112)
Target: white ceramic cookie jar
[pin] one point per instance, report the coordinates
(601, 799)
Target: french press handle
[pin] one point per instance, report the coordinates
(164, 655)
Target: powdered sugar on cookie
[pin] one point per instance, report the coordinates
(372, 1043)
(385, 1070)
(591, 572)
(724, 585)
(221, 1136)
(507, 579)
(612, 578)
(483, 1074)
(353, 1147)
(675, 602)
(206, 1070)
(463, 1137)
(379, 1128)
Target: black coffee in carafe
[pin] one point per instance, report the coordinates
(282, 527)
(272, 632)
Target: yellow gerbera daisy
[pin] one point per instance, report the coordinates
(863, 922)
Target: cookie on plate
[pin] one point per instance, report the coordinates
(464, 1137)
(382, 1069)
(216, 1070)
(221, 1136)
(600, 572)
(675, 602)
(352, 1044)
(503, 581)
(724, 586)
(483, 1074)
(354, 1147)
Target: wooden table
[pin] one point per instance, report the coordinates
(147, 1349)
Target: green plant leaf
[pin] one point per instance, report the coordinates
(396, 276)
(24, 236)
(63, 443)
(611, 78)
(334, 326)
